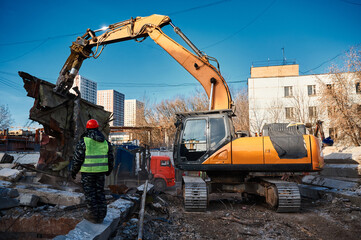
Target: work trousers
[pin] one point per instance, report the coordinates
(93, 186)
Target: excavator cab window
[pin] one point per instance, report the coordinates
(217, 131)
(194, 139)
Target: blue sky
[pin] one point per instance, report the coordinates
(36, 36)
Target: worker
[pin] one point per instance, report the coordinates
(94, 158)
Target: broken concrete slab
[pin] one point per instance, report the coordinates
(30, 200)
(6, 158)
(26, 158)
(313, 192)
(53, 196)
(342, 170)
(9, 192)
(149, 187)
(339, 158)
(7, 202)
(5, 184)
(117, 211)
(328, 182)
(6, 165)
(350, 155)
(9, 174)
(356, 180)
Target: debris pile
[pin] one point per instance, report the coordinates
(340, 177)
(30, 205)
(36, 204)
(230, 217)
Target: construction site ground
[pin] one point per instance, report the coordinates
(35, 205)
(230, 217)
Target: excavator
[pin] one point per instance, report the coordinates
(206, 141)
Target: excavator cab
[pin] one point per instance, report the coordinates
(199, 135)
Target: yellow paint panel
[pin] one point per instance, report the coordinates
(222, 156)
(271, 156)
(248, 150)
(204, 73)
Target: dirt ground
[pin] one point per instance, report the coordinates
(228, 217)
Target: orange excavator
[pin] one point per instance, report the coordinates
(207, 141)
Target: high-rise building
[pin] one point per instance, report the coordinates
(133, 112)
(87, 88)
(112, 101)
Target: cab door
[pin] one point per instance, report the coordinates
(194, 143)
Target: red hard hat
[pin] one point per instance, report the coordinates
(92, 123)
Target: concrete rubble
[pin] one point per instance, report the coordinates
(54, 205)
(341, 176)
(6, 158)
(31, 198)
(8, 174)
(54, 196)
(86, 230)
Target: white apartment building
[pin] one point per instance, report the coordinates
(277, 94)
(87, 88)
(133, 112)
(112, 101)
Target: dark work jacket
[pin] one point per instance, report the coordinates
(79, 154)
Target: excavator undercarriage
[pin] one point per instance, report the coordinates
(280, 195)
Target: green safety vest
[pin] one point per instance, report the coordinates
(96, 156)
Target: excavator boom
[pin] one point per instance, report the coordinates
(141, 27)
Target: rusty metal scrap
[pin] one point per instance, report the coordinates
(64, 119)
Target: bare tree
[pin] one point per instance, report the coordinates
(5, 117)
(275, 111)
(305, 110)
(341, 95)
(161, 116)
(257, 120)
(241, 121)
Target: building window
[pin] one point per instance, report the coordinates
(358, 87)
(289, 112)
(312, 112)
(311, 89)
(288, 91)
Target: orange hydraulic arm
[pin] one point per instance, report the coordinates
(141, 27)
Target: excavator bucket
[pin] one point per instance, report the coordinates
(64, 119)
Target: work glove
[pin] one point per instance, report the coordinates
(108, 173)
(73, 175)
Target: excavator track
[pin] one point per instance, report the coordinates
(195, 194)
(288, 194)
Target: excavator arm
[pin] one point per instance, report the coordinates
(141, 27)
